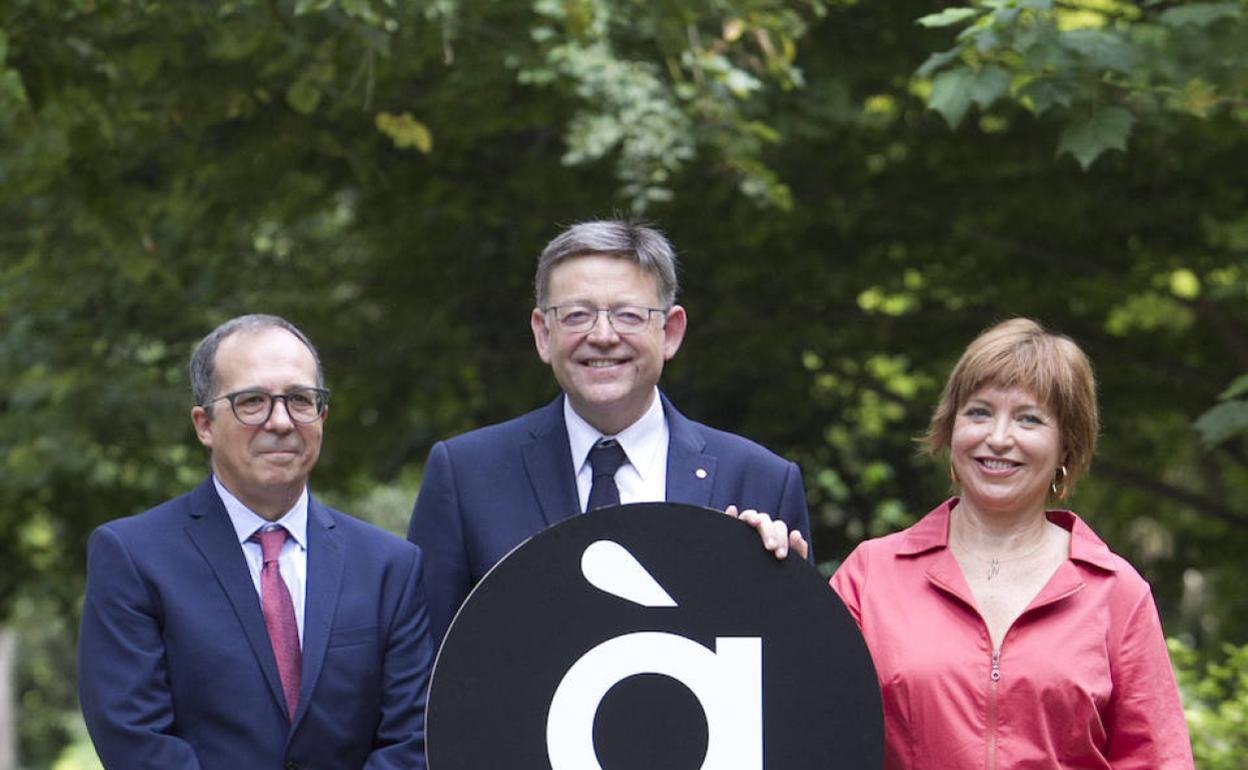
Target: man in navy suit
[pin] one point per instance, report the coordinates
(245, 625)
(606, 320)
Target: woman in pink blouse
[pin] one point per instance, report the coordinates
(1006, 634)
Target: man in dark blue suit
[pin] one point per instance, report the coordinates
(606, 320)
(245, 625)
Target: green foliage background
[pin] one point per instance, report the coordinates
(856, 190)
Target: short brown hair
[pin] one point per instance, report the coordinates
(203, 365)
(1021, 353)
(640, 243)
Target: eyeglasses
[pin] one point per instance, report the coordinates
(255, 407)
(625, 319)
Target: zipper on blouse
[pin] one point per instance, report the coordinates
(992, 710)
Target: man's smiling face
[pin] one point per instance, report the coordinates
(265, 466)
(609, 377)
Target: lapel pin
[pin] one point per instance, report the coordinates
(700, 473)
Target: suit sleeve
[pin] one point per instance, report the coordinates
(400, 738)
(437, 528)
(792, 507)
(1145, 723)
(123, 679)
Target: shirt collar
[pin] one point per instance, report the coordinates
(1085, 546)
(247, 521)
(640, 440)
(932, 532)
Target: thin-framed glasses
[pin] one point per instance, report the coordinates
(255, 407)
(625, 319)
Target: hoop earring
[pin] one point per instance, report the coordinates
(953, 474)
(1059, 483)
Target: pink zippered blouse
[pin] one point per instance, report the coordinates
(1082, 678)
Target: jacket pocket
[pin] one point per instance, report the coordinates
(347, 637)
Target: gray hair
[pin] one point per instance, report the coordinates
(203, 366)
(640, 243)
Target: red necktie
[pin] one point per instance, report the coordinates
(279, 616)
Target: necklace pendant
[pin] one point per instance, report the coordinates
(994, 567)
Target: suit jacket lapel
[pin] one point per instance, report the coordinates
(548, 460)
(690, 473)
(326, 559)
(210, 529)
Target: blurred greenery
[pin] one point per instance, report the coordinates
(1216, 702)
(856, 190)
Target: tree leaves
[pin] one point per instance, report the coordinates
(1105, 130)
(1095, 63)
(1215, 700)
(1201, 14)
(303, 96)
(1236, 389)
(655, 116)
(948, 17)
(405, 131)
(1223, 421)
(955, 90)
(1227, 419)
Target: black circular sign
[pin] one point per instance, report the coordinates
(655, 635)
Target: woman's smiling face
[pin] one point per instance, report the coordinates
(1005, 450)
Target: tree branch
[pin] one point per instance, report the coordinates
(1201, 504)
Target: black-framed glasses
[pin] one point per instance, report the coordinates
(255, 407)
(625, 319)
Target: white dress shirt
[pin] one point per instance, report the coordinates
(643, 476)
(293, 560)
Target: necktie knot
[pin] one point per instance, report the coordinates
(606, 457)
(271, 542)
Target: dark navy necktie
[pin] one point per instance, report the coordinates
(605, 458)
